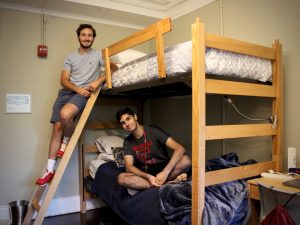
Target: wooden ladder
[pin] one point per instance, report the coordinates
(34, 205)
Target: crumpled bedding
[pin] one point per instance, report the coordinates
(175, 202)
(178, 60)
(225, 203)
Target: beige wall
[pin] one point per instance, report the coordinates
(25, 137)
(260, 22)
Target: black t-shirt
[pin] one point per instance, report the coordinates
(148, 150)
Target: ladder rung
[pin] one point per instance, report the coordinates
(36, 206)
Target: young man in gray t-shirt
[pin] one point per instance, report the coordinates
(80, 77)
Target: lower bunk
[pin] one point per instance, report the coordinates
(225, 203)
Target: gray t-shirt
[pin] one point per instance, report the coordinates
(84, 68)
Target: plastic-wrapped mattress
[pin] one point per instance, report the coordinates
(178, 60)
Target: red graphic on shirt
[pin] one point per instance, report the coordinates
(143, 153)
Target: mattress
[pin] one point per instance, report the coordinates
(178, 60)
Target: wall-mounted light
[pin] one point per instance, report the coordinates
(271, 119)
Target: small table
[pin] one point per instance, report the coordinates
(267, 181)
(254, 194)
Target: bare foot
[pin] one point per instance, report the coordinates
(181, 177)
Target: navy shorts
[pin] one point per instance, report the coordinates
(64, 97)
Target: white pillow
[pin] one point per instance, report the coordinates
(126, 56)
(105, 144)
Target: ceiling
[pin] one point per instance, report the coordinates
(125, 13)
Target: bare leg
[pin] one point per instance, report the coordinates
(56, 137)
(55, 140)
(132, 181)
(68, 114)
(65, 127)
(181, 168)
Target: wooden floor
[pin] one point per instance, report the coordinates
(102, 216)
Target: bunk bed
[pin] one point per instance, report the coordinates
(199, 85)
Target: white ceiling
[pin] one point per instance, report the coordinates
(126, 13)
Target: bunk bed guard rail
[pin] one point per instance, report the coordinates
(156, 31)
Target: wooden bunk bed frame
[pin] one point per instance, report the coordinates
(198, 85)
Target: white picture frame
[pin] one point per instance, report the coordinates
(18, 103)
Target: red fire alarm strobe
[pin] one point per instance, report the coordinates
(42, 50)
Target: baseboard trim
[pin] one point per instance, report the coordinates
(59, 206)
(4, 213)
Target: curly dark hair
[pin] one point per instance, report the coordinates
(123, 111)
(83, 26)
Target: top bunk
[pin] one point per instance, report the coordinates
(231, 66)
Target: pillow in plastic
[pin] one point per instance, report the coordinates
(126, 56)
(106, 143)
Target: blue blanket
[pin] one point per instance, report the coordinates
(225, 203)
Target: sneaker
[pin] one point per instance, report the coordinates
(61, 150)
(47, 177)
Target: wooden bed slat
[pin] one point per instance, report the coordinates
(239, 88)
(235, 173)
(232, 45)
(101, 125)
(86, 172)
(238, 131)
(139, 37)
(89, 148)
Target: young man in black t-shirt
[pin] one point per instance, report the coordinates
(146, 155)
